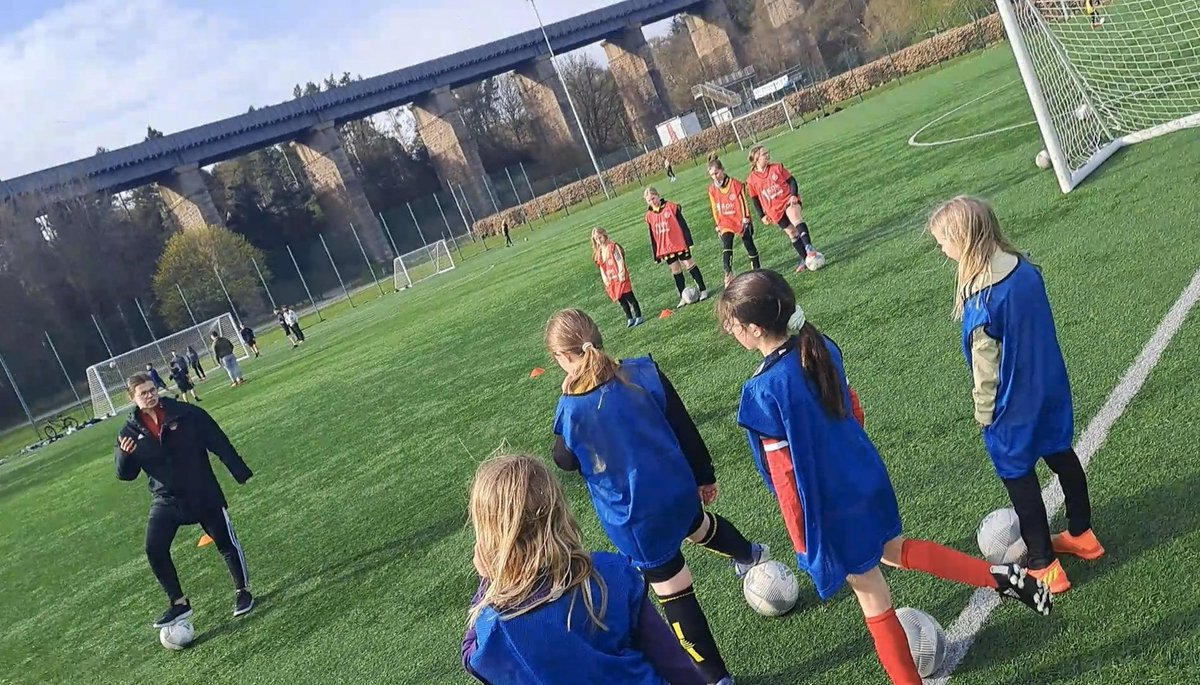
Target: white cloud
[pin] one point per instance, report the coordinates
(97, 72)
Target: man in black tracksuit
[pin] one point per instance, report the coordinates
(170, 441)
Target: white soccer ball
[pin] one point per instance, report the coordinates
(691, 295)
(1083, 111)
(112, 365)
(999, 537)
(178, 635)
(771, 588)
(926, 640)
(814, 261)
(1042, 160)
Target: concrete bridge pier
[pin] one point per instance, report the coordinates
(454, 153)
(186, 197)
(546, 103)
(715, 38)
(638, 80)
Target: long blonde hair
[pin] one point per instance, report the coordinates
(574, 332)
(596, 244)
(969, 224)
(528, 542)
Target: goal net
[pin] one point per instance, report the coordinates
(106, 380)
(418, 265)
(762, 123)
(1102, 74)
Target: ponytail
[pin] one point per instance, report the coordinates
(817, 363)
(573, 331)
(597, 369)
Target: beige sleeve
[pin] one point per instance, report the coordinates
(985, 369)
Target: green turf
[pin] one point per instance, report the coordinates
(364, 440)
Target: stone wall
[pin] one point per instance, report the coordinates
(930, 52)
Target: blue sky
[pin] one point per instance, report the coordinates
(78, 74)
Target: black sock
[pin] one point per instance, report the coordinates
(751, 251)
(1026, 495)
(633, 303)
(679, 282)
(725, 539)
(798, 246)
(1075, 490)
(624, 302)
(695, 272)
(804, 237)
(727, 260)
(688, 622)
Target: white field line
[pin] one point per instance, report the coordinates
(962, 632)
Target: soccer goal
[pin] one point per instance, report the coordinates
(762, 123)
(418, 265)
(1102, 74)
(106, 380)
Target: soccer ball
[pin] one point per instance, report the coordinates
(1083, 111)
(814, 261)
(926, 640)
(1042, 160)
(770, 588)
(691, 295)
(999, 537)
(112, 365)
(177, 636)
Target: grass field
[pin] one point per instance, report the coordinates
(364, 440)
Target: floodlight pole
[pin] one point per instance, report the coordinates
(570, 101)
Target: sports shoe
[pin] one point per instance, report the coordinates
(638, 321)
(1084, 546)
(177, 612)
(628, 323)
(703, 295)
(1015, 581)
(682, 303)
(758, 554)
(243, 602)
(800, 268)
(1053, 576)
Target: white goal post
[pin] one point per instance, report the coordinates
(1102, 74)
(749, 128)
(418, 265)
(106, 380)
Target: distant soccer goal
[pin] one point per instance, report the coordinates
(763, 123)
(1102, 74)
(106, 380)
(418, 265)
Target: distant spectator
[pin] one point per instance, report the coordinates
(193, 358)
(507, 236)
(670, 170)
(222, 350)
(247, 334)
(293, 321)
(153, 373)
(282, 318)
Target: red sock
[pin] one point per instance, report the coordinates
(945, 563)
(891, 645)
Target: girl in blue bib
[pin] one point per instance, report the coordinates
(832, 486)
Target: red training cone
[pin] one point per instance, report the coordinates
(666, 313)
(204, 540)
(536, 372)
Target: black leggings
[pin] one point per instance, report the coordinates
(1026, 495)
(727, 250)
(198, 369)
(165, 521)
(629, 303)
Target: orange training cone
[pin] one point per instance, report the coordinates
(536, 372)
(204, 540)
(666, 313)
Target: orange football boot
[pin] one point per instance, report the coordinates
(1084, 546)
(1053, 576)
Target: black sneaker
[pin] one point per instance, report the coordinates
(177, 612)
(243, 602)
(1012, 580)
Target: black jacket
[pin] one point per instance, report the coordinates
(178, 466)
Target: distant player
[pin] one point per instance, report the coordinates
(247, 335)
(671, 241)
(548, 610)
(153, 373)
(833, 489)
(293, 322)
(1022, 394)
(649, 473)
(183, 382)
(1091, 8)
(282, 318)
(193, 358)
(776, 197)
(731, 214)
(222, 351)
(507, 234)
(171, 441)
(610, 257)
(670, 171)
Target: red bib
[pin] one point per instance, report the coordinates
(665, 230)
(729, 206)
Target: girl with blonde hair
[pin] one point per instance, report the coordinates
(622, 425)
(671, 241)
(833, 489)
(1021, 392)
(731, 214)
(610, 257)
(547, 610)
(777, 200)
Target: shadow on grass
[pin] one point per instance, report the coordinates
(262, 605)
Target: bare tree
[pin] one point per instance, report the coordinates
(595, 93)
